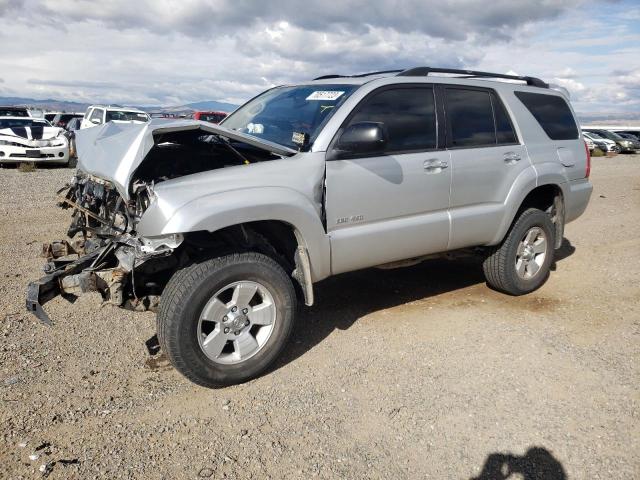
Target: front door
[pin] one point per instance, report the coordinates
(392, 205)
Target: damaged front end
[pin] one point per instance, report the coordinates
(103, 253)
(119, 168)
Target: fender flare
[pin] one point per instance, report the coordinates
(224, 209)
(537, 176)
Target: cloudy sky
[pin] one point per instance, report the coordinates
(171, 52)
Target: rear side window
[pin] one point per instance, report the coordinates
(408, 115)
(470, 117)
(552, 113)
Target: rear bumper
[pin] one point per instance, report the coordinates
(577, 198)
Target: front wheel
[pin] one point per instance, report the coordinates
(225, 320)
(521, 264)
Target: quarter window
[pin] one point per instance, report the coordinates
(408, 115)
(552, 113)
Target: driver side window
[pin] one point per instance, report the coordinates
(408, 115)
(96, 115)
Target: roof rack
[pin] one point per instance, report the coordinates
(424, 71)
(360, 75)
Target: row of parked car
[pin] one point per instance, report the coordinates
(612, 139)
(51, 138)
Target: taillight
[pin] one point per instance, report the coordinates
(588, 169)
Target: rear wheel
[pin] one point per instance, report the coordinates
(224, 321)
(521, 264)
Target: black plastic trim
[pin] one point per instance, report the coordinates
(425, 71)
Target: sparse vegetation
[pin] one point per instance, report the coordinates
(27, 167)
(597, 153)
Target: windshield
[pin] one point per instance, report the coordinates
(609, 135)
(65, 117)
(123, 116)
(289, 116)
(20, 122)
(13, 112)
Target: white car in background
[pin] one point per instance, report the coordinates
(27, 139)
(100, 114)
(602, 143)
(590, 145)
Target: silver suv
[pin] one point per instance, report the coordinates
(224, 228)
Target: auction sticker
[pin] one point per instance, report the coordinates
(328, 95)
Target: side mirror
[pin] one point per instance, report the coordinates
(362, 138)
(95, 121)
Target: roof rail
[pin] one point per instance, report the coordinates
(360, 75)
(424, 71)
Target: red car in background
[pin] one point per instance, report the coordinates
(211, 117)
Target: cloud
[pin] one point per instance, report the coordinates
(452, 20)
(165, 52)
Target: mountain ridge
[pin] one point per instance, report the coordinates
(51, 104)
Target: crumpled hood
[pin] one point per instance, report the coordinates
(25, 135)
(114, 151)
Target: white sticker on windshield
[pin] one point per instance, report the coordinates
(329, 95)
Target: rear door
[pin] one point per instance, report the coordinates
(391, 206)
(486, 158)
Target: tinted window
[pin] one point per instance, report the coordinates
(13, 112)
(504, 129)
(408, 115)
(552, 113)
(23, 122)
(470, 117)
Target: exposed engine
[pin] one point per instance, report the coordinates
(103, 252)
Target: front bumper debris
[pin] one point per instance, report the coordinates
(128, 272)
(50, 286)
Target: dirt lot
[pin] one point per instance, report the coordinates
(421, 372)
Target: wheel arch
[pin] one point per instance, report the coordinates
(548, 197)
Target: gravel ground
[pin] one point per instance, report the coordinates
(421, 372)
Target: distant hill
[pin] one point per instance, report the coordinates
(612, 118)
(50, 104)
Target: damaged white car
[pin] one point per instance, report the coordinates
(26, 139)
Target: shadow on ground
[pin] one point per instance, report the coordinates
(536, 464)
(341, 300)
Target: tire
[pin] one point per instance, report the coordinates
(196, 317)
(73, 159)
(516, 267)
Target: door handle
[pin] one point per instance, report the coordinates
(512, 157)
(433, 165)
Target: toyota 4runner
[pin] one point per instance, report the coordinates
(224, 228)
